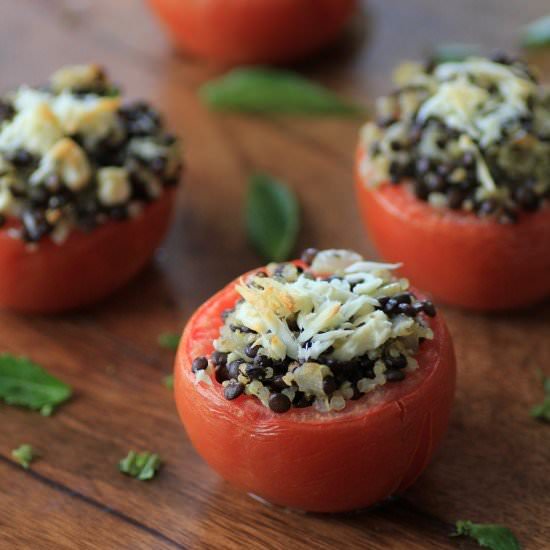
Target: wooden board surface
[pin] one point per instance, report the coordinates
(494, 463)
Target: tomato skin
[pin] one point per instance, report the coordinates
(313, 461)
(85, 268)
(253, 31)
(460, 258)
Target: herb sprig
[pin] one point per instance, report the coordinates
(272, 217)
(266, 90)
(542, 410)
(25, 454)
(142, 466)
(537, 33)
(488, 535)
(27, 384)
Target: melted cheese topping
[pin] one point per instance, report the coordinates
(461, 97)
(340, 313)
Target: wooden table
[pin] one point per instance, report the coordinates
(494, 464)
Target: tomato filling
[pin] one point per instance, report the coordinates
(72, 154)
(319, 333)
(472, 135)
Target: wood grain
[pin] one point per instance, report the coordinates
(494, 463)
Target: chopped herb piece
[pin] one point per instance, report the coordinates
(142, 466)
(272, 217)
(454, 51)
(542, 410)
(25, 383)
(495, 537)
(537, 33)
(168, 381)
(169, 340)
(24, 454)
(263, 90)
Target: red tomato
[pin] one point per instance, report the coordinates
(253, 31)
(303, 459)
(462, 259)
(85, 268)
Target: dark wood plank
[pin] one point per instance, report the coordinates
(493, 465)
(35, 511)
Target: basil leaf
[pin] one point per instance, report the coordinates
(537, 33)
(24, 454)
(142, 466)
(495, 537)
(272, 217)
(25, 383)
(169, 340)
(168, 381)
(454, 51)
(263, 90)
(542, 410)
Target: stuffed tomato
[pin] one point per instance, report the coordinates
(240, 31)
(87, 186)
(323, 387)
(453, 179)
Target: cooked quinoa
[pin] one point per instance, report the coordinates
(317, 337)
(472, 135)
(72, 154)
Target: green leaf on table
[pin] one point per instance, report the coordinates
(495, 537)
(264, 90)
(454, 51)
(169, 340)
(542, 410)
(168, 381)
(537, 33)
(24, 454)
(272, 217)
(27, 384)
(142, 466)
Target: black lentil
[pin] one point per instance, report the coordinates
(221, 374)
(279, 402)
(233, 390)
(394, 375)
(251, 351)
(277, 383)
(199, 363)
(233, 368)
(395, 362)
(330, 385)
(301, 400)
(254, 371)
(219, 358)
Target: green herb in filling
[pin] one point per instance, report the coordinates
(24, 454)
(25, 383)
(142, 466)
(469, 135)
(317, 337)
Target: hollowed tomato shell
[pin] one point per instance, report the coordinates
(253, 31)
(306, 460)
(460, 258)
(85, 268)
